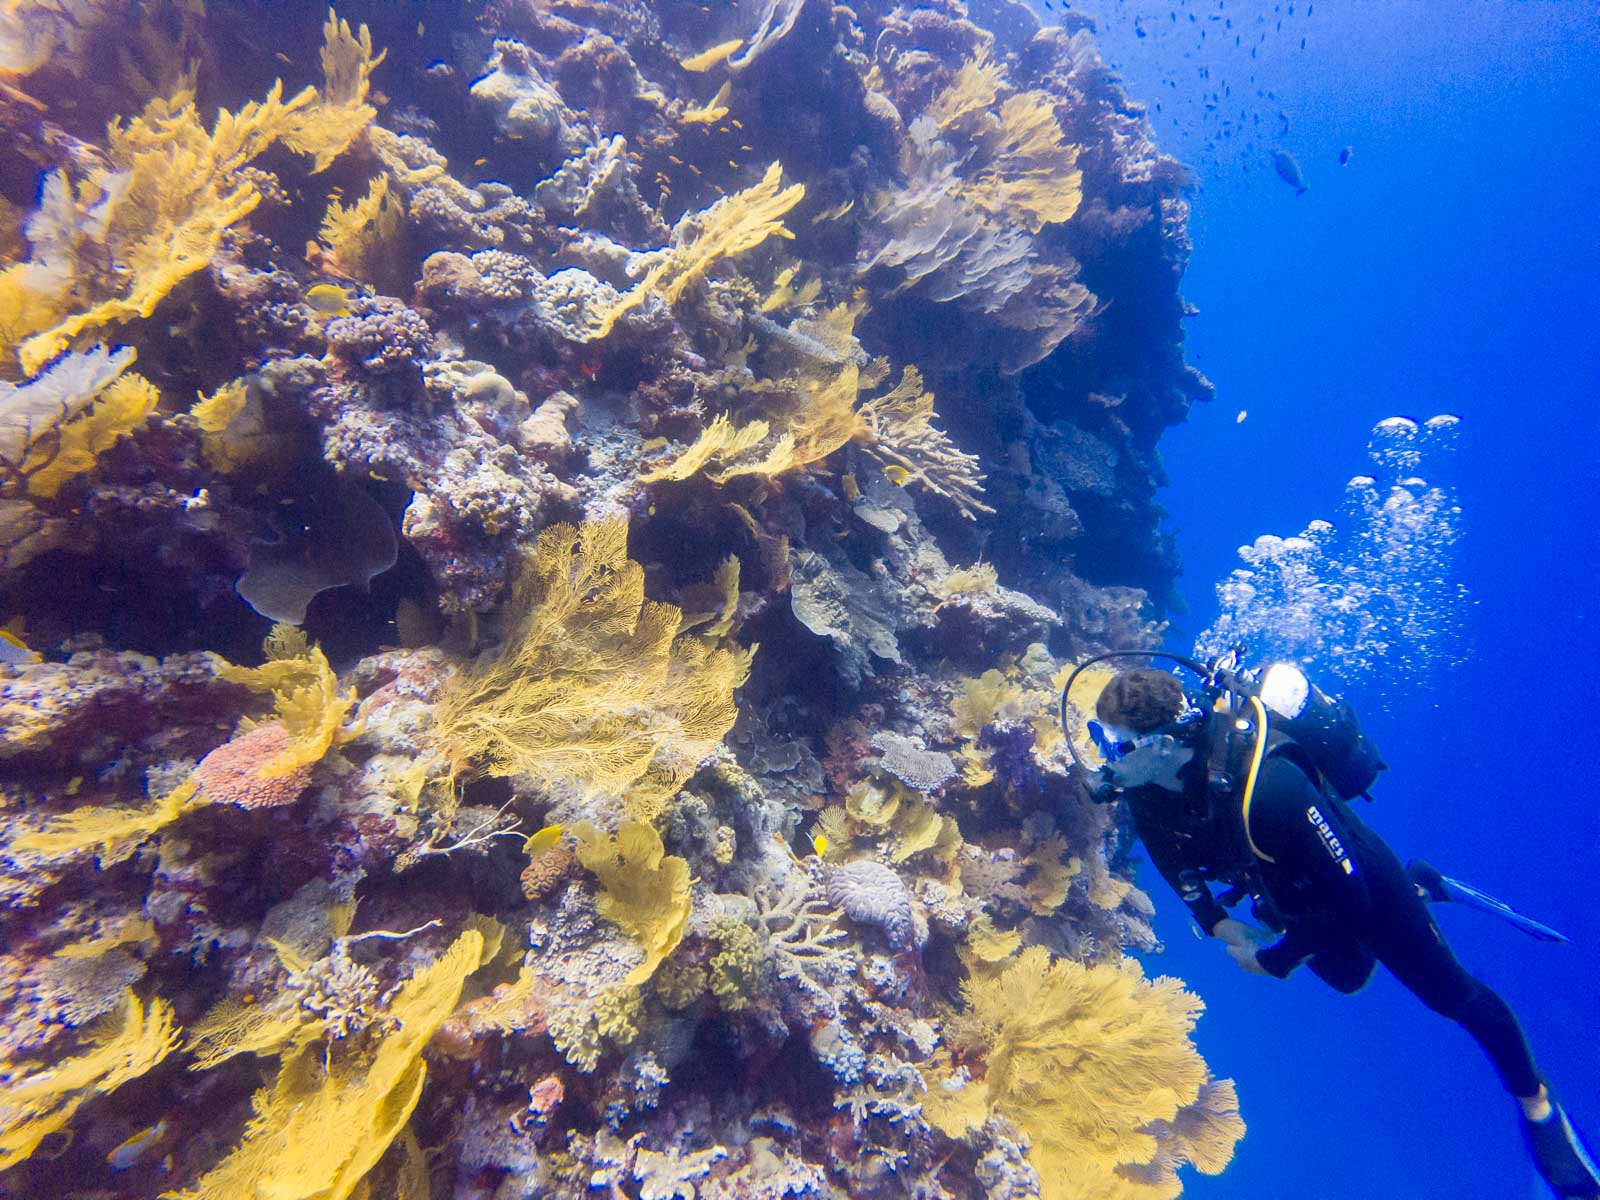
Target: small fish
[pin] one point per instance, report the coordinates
(897, 475)
(1243, 413)
(1345, 155)
(546, 839)
(125, 1155)
(651, 445)
(819, 843)
(1289, 171)
(852, 489)
(589, 368)
(14, 650)
(329, 299)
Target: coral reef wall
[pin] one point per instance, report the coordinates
(539, 546)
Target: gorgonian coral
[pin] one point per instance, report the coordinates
(107, 248)
(1084, 1059)
(593, 685)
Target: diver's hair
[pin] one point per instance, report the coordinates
(1141, 700)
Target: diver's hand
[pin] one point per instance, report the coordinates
(1237, 933)
(1244, 954)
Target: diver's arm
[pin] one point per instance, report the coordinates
(1180, 875)
(1306, 840)
(1284, 955)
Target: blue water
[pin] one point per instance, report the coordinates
(1452, 266)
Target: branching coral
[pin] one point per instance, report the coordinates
(1083, 1059)
(111, 247)
(594, 685)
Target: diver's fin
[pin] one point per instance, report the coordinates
(1431, 885)
(1560, 1155)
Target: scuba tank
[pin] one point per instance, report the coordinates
(1325, 729)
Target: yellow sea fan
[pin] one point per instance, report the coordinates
(983, 701)
(36, 1100)
(233, 426)
(594, 684)
(112, 833)
(173, 188)
(363, 240)
(328, 128)
(306, 697)
(123, 407)
(231, 1028)
(734, 224)
(1084, 1059)
(320, 1128)
(709, 58)
(710, 112)
(646, 890)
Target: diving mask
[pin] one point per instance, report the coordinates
(1135, 760)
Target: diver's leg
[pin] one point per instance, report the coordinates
(1342, 962)
(1402, 933)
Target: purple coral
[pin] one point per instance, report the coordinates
(1010, 747)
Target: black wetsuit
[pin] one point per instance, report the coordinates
(1342, 897)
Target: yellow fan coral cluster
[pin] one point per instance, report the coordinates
(826, 409)
(594, 685)
(1022, 167)
(109, 247)
(363, 239)
(987, 167)
(37, 1099)
(1083, 1059)
(111, 832)
(1019, 692)
(890, 815)
(734, 224)
(322, 1126)
(124, 406)
(233, 426)
(306, 699)
(646, 890)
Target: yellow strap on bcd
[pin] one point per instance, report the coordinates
(1250, 780)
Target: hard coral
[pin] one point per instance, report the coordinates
(233, 772)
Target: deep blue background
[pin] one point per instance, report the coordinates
(1453, 266)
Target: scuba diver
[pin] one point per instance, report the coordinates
(1246, 784)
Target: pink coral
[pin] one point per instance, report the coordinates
(231, 774)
